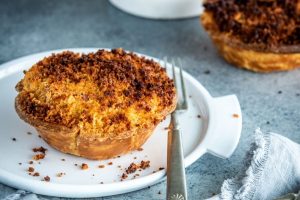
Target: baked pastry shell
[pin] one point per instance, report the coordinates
(69, 140)
(251, 57)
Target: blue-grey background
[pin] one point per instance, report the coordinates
(31, 26)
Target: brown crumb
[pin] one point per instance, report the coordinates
(235, 116)
(60, 174)
(124, 176)
(161, 168)
(119, 166)
(140, 149)
(40, 149)
(166, 128)
(101, 166)
(30, 162)
(14, 139)
(137, 175)
(134, 157)
(118, 156)
(145, 164)
(29, 133)
(29, 173)
(132, 168)
(38, 156)
(154, 172)
(199, 116)
(63, 159)
(110, 163)
(20, 163)
(47, 178)
(40, 136)
(36, 174)
(84, 166)
(31, 169)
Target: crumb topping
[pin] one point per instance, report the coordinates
(30, 169)
(60, 174)
(40, 149)
(36, 174)
(268, 23)
(132, 168)
(38, 156)
(84, 166)
(235, 115)
(47, 178)
(110, 91)
(145, 164)
(140, 149)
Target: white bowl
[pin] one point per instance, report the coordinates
(160, 9)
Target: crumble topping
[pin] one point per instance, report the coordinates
(267, 23)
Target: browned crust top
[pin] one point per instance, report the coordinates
(107, 91)
(263, 25)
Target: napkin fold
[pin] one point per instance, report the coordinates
(272, 169)
(21, 195)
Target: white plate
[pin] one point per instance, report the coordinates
(217, 131)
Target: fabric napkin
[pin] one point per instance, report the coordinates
(272, 169)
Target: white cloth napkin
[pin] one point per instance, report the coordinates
(21, 195)
(272, 170)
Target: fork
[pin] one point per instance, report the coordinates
(176, 181)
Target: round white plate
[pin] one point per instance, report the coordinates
(217, 131)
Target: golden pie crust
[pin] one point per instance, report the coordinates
(276, 53)
(98, 105)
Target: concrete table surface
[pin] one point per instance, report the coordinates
(270, 101)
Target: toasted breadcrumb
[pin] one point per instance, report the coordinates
(47, 178)
(140, 149)
(235, 115)
(60, 174)
(40, 149)
(84, 166)
(36, 174)
(31, 169)
(38, 156)
(145, 164)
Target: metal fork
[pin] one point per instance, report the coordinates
(176, 182)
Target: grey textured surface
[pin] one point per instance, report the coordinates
(31, 26)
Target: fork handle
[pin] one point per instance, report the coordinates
(176, 184)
